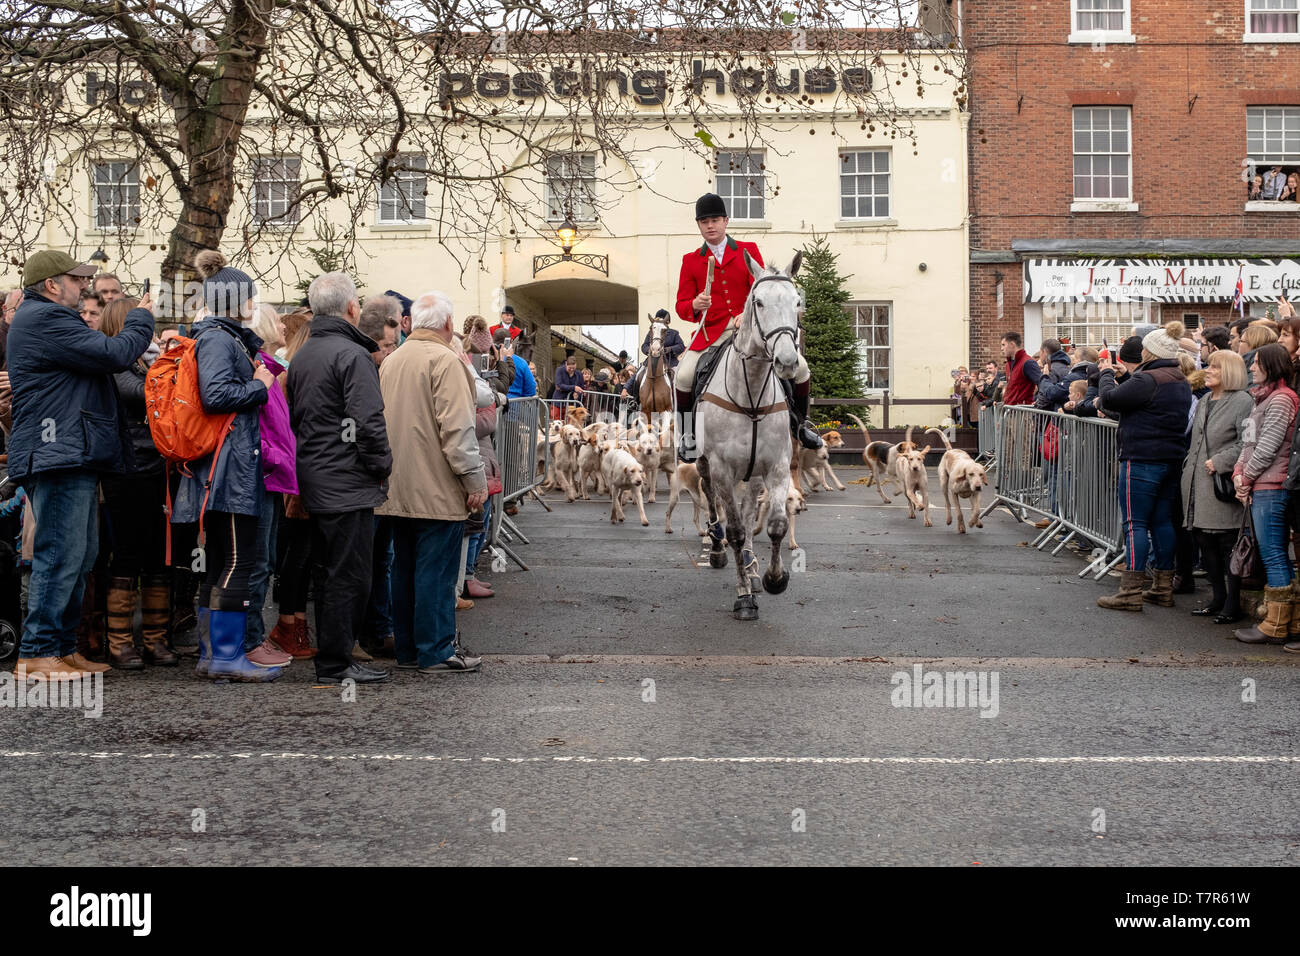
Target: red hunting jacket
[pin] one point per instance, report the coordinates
(731, 283)
(514, 330)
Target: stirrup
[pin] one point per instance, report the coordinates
(807, 435)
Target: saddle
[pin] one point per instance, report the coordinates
(707, 365)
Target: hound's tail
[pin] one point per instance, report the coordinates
(946, 444)
(866, 435)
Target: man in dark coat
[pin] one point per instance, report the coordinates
(568, 381)
(1053, 394)
(344, 461)
(672, 341)
(68, 429)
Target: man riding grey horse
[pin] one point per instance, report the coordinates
(712, 298)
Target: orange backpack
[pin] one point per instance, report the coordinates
(182, 431)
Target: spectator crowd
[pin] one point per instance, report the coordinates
(337, 466)
(360, 474)
(1208, 457)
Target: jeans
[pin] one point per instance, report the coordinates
(477, 541)
(1049, 482)
(379, 612)
(425, 558)
(1148, 491)
(65, 506)
(258, 581)
(1268, 513)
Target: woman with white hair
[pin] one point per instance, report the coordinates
(1216, 442)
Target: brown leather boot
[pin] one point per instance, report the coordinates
(1129, 596)
(1277, 616)
(121, 641)
(45, 668)
(79, 662)
(155, 608)
(292, 639)
(1162, 590)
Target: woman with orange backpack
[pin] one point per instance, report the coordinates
(225, 491)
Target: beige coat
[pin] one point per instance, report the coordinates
(429, 409)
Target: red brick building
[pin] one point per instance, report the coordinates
(1110, 141)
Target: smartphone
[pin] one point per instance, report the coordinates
(144, 289)
(1105, 350)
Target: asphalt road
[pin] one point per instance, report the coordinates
(623, 716)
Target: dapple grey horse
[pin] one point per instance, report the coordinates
(742, 431)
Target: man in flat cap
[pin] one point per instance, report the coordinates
(714, 309)
(68, 431)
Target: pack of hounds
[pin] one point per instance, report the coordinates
(624, 462)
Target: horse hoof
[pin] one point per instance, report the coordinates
(745, 608)
(717, 559)
(775, 585)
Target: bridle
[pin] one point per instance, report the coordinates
(768, 338)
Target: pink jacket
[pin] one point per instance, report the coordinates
(279, 448)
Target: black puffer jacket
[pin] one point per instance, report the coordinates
(130, 392)
(337, 413)
(1153, 405)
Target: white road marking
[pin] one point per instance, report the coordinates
(616, 760)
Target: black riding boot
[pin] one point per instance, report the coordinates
(686, 450)
(799, 424)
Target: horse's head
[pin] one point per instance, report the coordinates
(772, 315)
(658, 327)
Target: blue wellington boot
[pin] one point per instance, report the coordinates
(226, 632)
(205, 644)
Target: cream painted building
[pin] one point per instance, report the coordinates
(893, 209)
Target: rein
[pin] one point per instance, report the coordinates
(753, 411)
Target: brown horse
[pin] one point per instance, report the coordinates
(656, 390)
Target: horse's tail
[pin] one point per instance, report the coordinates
(946, 444)
(866, 435)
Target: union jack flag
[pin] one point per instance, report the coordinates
(1237, 302)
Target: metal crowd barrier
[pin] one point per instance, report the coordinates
(990, 431)
(600, 406)
(1065, 469)
(519, 438)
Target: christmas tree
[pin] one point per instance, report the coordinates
(829, 344)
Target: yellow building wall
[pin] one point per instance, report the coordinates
(644, 233)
